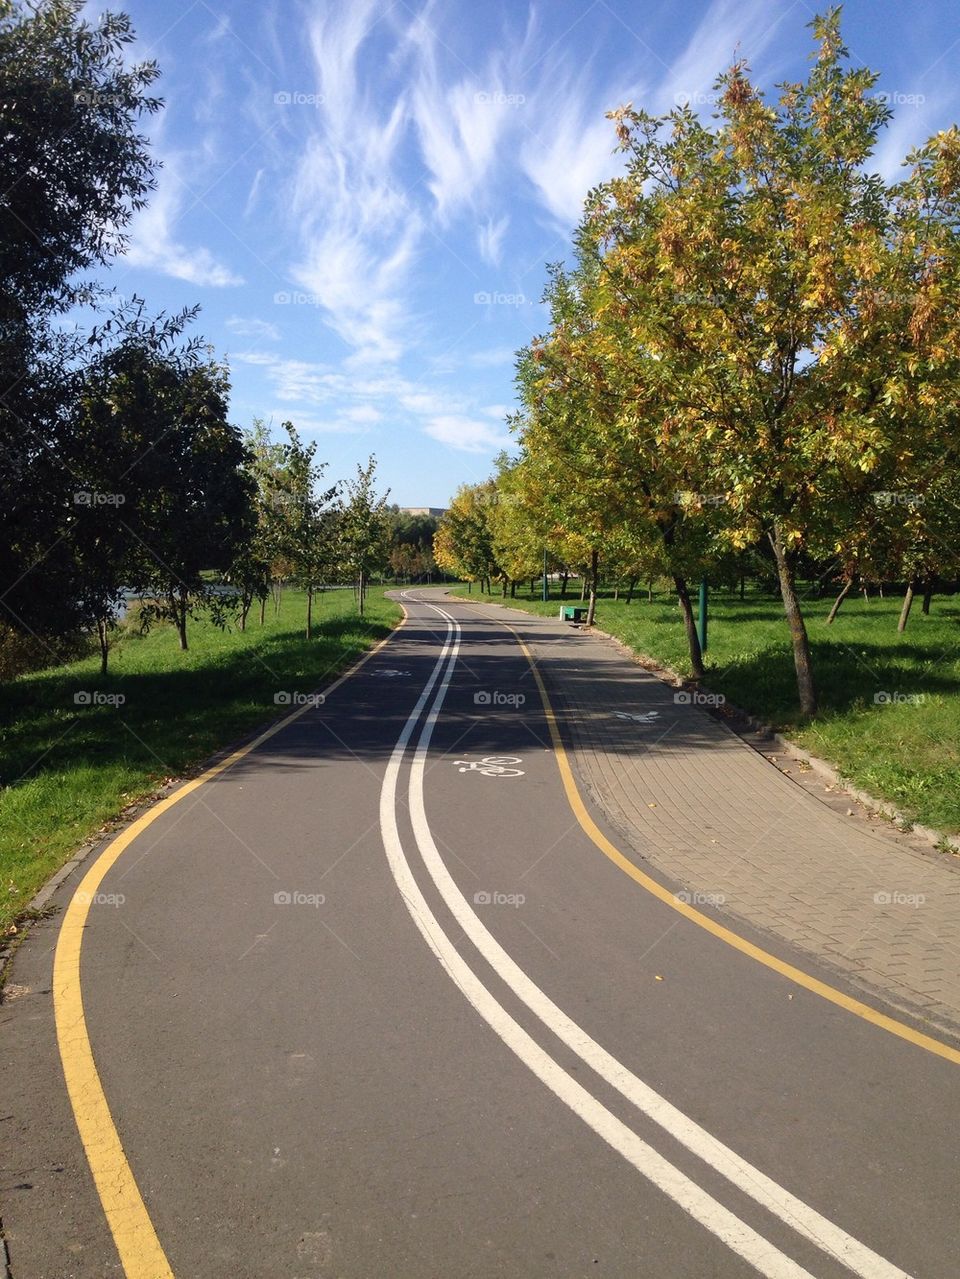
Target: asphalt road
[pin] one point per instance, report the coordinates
(370, 1002)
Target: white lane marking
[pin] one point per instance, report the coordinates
(767, 1192)
(703, 1208)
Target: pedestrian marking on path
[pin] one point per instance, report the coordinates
(645, 717)
(389, 674)
(140, 1251)
(882, 1021)
(493, 766)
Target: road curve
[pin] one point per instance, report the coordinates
(370, 1002)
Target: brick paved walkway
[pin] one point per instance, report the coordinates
(708, 810)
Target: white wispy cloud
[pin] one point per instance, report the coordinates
(309, 424)
(253, 328)
(490, 239)
(155, 244)
(358, 231)
(467, 434)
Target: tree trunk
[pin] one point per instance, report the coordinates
(690, 626)
(630, 589)
(360, 593)
(650, 592)
(907, 603)
(806, 689)
(616, 593)
(309, 612)
(180, 613)
(594, 574)
(246, 599)
(513, 590)
(743, 586)
(263, 607)
(533, 586)
(102, 634)
(927, 596)
(504, 584)
(564, 579)
(583, 588)
(839, 600)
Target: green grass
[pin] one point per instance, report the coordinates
(66, 770)
(904, 752)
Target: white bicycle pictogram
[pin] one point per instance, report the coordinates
(492, 766)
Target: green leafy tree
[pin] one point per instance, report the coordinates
(746, 253)
(74, 167)
(197, 509)
(362, 528)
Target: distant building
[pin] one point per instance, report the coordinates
(435, 511)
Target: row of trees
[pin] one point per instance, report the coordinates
(122, 473)
(753, 358)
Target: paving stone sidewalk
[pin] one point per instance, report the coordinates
(700, 804)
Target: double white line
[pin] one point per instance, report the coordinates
(706, 1210)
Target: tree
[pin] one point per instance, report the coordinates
(309, 519)
(744, 253)
(195, 508)
(362, 528)
(108, 452)
(463, 545)
(73, 169)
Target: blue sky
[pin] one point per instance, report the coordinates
(363, 196)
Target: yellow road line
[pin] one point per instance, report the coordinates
(797, 975)
(141, 1253)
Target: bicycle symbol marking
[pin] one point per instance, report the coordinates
(388, 674)
(492, 766)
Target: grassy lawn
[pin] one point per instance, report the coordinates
(66, 769)
(907, 752)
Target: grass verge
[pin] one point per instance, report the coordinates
(67, 769)
(904, 748)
